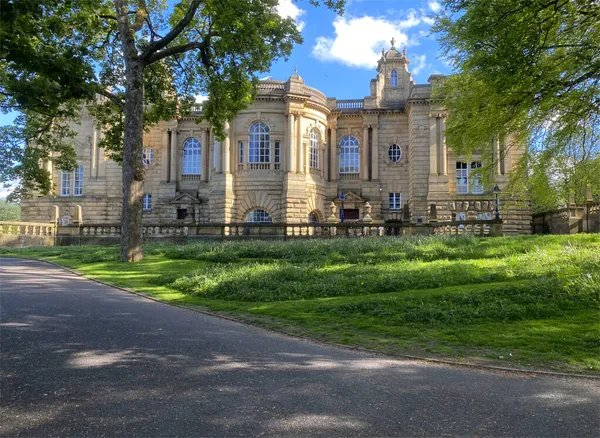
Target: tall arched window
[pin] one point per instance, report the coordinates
(349, 155)
(259, 146)
(191, 157)
(314, 149)
(394, 79)
(258, 216)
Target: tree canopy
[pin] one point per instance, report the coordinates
(530, 68)
(132, 63)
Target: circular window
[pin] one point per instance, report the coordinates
(394, 153)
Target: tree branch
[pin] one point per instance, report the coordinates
(176, 50)
(173, 33)
(104, 92)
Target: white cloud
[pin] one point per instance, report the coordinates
(419, 63)
(286, 9)
(358, 41)
(434, 5)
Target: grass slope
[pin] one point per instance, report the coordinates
(524, 301)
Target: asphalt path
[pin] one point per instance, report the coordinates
(83, 359)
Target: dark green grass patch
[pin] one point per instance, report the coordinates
(525, 301)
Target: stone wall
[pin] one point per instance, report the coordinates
(571, 220)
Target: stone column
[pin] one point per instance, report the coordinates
(364, 159)
(375, 153)
(289, 149)
(299, 154)
(164, 155)
(226, 149)
(433, 145)
(444, 147)
(496, 156)
(94, 153)
(335, 156)
(204, 171)
(173, 167)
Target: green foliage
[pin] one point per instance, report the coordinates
(58, 56)
(527, 72)
(9, 211)
(534, 300)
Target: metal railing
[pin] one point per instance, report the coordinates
(349, 104)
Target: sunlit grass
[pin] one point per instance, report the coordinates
(525, 301)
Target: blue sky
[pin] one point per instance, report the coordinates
(339, 54)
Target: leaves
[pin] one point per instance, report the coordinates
(530, 68)
(58, 56)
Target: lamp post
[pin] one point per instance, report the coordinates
(497, 191)
(342, 197)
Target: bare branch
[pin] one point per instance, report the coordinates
(173, 33)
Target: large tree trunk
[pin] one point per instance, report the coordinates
(133, 170)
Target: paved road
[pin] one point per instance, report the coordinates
(82, 359)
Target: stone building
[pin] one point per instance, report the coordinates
(289, 157)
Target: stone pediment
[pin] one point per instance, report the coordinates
(186, 198)
(352, 197)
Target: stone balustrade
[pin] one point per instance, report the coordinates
(476, 228)
(24, 234)
(287, 231)
(27, 228)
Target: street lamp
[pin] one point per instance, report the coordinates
(342, 197)
(497, 191)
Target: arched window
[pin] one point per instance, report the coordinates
(313, 217)
(394, 79)
(314, 149)
(147, 156)
(191, 157)
(349, 155)
(259, 146)
(258, 216)
(394, 153)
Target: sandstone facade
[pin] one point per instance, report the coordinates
(387, 150)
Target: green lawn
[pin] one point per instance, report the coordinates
(530, 301)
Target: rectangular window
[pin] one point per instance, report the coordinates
(476, 178)
(78, 181)
(241, 148)
(65, 183)
(277, 152)
(314, 155)
(395, 201)
(147, 202)
(462, 177)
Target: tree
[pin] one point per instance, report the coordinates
(527, 71)
(146, 58)
(9, 211)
